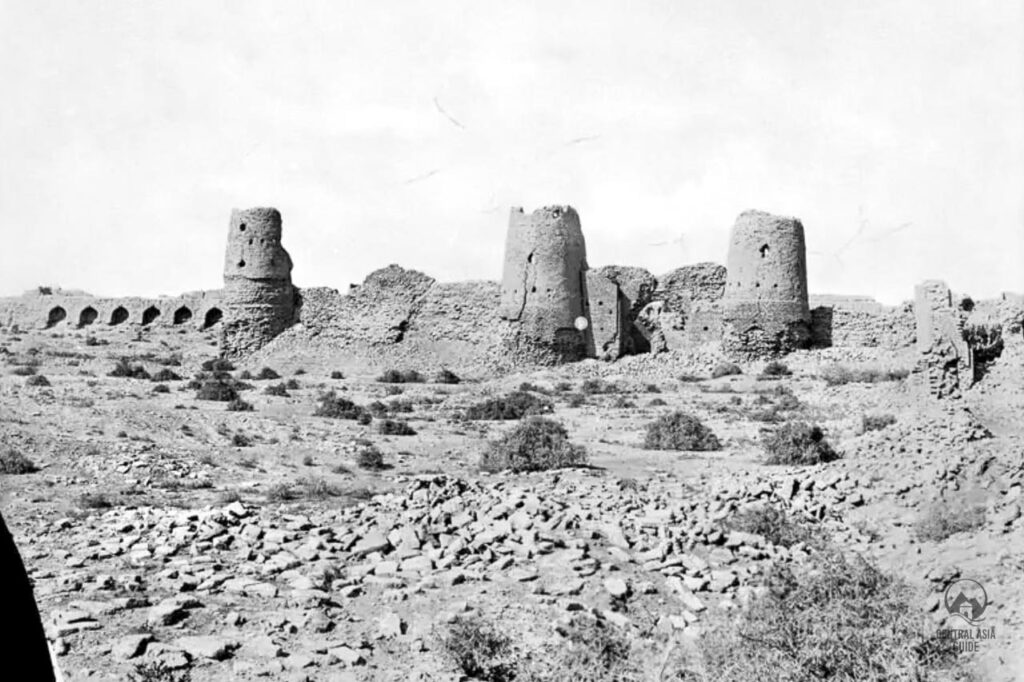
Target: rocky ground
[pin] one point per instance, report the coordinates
(251, 545)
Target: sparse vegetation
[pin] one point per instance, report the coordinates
(479, 650)
(267, 373)
(161, 388)
(24, 370)
(391, 427)
(157, 671)
(221, 387)
(775, 525)
(277, 390)
(724, 369)
(776, 369)
(446, 376)
(239, 405)
(164, 375)
(536, 444)
(515, 405)
(37, 380)
(597, 386)
(337, 375)
(945, 518)
(94, 501)
(798, 443)
(394, 376)
(333, 406)
(791, 632)
(680, 431)
(838, 375)
(124, 369)
(292, 385)
(14, 463)
(876, 422)
(369, 457)
(218, 365)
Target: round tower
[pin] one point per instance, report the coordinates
(259, 299)
(764, 308)
(543, 289)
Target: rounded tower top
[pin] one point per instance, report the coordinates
(767, 259)
(254, 246)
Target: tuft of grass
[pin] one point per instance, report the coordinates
(277, 390)
(14, 463)
(391, 427)
(798, 443)
(515, 405)
(776, 369)
(281, 492)
(536, 444)
(775, 525)
(876, 422)
(124, 369)
(479, 650)
(724, 369)
(318, 489)
(945, 518)
(680, 431)
(37, 380)
(407, 376)
(840, 619)
(370, 458)
(239, 405)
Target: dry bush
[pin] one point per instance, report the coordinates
(221, 387)
(267, 373)
(278, 390)
(334, 406)
(798, 443)
(774, 525)
(598, 386)
(337, 375)
(724, 369)
(37, 380)
(515, 405)
(161, 388)
(776, 369)
(876, 422)
(945, 518)
(218, 365)
(446, 376)
(124, 369)
(680, 431)
(13, 462)
(840, 619)
(536, 444)
(239, 405)
(839, 375)
(391, 427)
(407, 376)
(479, 650)
(370, 458)
(165, 375)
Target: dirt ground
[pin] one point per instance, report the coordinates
(251, 545)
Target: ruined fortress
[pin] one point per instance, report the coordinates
(551, 307)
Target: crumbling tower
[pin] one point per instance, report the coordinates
(259, 299)
(543, 285)
(764, 308)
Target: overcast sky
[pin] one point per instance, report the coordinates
(402, 132)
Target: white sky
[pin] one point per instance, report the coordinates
(894, 130)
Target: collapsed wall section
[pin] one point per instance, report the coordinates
(765, 310)
(945, 358)
(259, 299)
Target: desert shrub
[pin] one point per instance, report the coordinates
(774, 524)
(391, 427)
(369, 457)
(94, 501)
(515, 405)
(394, 376)
(239, 405)
(479, 650)
(536, 444)
(161, 388)
(400, 405)
(576, 400)
(276, 389)
(622, 403)
(776, 369)
(37, 380)
(563, 387)
(876, 422)
(281, 492)
(446, 376)
(657, 402)
(218, 365)
(165, 374)
(318, 489)
(337, 375)
(246, 375)
(124, 369)
(724, 369)
(689, 378)
(945, 518)
(240, 440)
(93, 341)
(680, 431)
(267, 373)
(364, 419)
(798, 443)
(592, 650)
(838, 375)
(292, 385)
(157, 671)
(24, 371)
(13, 462)
(334, 406)
(221, 387)
(652, 388)
(596, 386)
(299, 372)
(840, 619)
(377, 409)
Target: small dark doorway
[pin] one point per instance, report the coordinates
(119, 316)
(150, 314)
(182, 315)
(56, 315)
(87, 316)
(213, 316)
